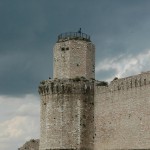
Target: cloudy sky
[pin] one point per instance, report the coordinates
(120, 30)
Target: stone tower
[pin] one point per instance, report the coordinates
(67, 101)
(74, 56)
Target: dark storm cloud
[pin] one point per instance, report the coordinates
(29, 29)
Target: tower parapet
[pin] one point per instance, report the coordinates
(73, 36)
(66, 86)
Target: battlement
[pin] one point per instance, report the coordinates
(66, 86)
(73, 36)
(139, 80)
(127, 83)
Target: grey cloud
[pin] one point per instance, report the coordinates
(17, 113)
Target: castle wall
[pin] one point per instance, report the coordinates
(74, 58)
(122, 114)
(67, 116)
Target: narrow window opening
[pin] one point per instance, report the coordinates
(144, 81)
(62, 48)
(135, 82)
(131, 83)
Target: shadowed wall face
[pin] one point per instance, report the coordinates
(74, 58)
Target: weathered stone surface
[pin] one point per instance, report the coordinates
(122, 113)
(33, 144)
(78, 112)
(67, 102)
(67, 114)
(74, 58)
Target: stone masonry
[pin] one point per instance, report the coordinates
(65, 121)
(122, 113)
(67, 101)
(81, 113)
(74, 58)
(30, 145)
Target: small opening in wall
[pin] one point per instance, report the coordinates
(135, 82)
(77, 64)
(131, 83)
(67, 48)
(62, 48)
(144, 81)
(84, 125)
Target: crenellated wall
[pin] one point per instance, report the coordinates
(122, 113)
(67, 114)
(130, 82)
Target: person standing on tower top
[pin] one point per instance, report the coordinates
(79, 31)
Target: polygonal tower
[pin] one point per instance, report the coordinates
(74, 56)
(67, 101)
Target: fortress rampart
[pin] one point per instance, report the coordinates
(122, 84)
(130, 82)
(122, 114)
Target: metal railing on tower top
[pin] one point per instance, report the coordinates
(73, 35)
